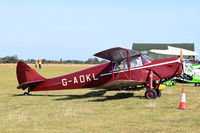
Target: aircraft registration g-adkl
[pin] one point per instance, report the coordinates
(125, 70)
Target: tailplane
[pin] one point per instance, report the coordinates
(27, 77)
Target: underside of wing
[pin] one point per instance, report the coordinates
(117, 84)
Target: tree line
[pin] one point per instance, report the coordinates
(15, 59)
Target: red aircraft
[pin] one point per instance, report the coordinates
(126, 69)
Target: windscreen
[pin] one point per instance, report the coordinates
(146, 59)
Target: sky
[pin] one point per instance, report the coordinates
(77, 29)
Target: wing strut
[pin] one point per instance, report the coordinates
(113, 77)
(151, 79)
(128, 63)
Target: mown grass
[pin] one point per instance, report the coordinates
(93, 111)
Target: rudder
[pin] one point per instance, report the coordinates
(26, 76)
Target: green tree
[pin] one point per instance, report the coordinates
(10, 59)
(93, 61)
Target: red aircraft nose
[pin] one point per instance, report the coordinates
(180, 69)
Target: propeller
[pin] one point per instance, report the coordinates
(181, 55)
(181, 60)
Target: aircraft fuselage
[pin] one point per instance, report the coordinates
(102, 74)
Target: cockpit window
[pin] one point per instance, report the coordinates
(146, 59)
(136, 61)
(122, 65)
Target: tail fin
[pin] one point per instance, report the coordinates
(27, 77)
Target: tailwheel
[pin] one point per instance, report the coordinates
(150, 94)
(27, 93)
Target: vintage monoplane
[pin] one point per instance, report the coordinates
(125, 70)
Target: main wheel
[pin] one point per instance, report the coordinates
(150, 94)
(158, 93)
(196, 84)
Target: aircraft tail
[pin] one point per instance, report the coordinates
(27, 77)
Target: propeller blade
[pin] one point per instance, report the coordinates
(181, 55)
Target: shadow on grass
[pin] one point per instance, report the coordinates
(87, 95)
(99, 94)
(115, 97)
(42, 95)
(101, 97)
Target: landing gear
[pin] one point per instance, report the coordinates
(152, 88)
(158, 92)
(197, 84)
(27, 93)
(151, 94)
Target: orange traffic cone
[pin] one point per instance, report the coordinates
(182, 104)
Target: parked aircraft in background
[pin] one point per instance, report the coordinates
(125, 70)
(174, 51)
(191, 73)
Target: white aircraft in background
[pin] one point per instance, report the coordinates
(174, 51)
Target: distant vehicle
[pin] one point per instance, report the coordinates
(126, 69)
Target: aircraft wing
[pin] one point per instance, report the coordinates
(174, 51)
(121, 83)
(116, 54)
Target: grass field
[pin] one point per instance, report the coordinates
(93, 111)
